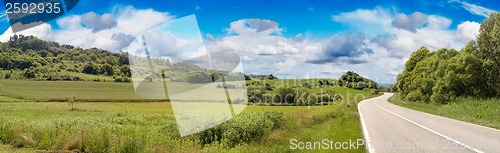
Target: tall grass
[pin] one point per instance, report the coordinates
(124, 132)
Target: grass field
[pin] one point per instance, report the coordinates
(482, 112)
(57, 90)
(151, 126)
(51, 126)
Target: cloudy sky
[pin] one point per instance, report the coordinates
(290, 39)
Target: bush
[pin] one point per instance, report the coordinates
(284, 95)
(71, 100)
(242, 129)
(122, 79)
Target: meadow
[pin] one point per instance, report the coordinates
(143, 126)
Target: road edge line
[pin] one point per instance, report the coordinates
(365, 130)
(430, 130)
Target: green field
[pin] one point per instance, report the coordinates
(139, 126)
(57, 90)
(477, 111)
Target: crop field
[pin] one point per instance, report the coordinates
(145, 126)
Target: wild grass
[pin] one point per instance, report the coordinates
(31, 125)
(151, 127)
(94, 126)
(478, 111)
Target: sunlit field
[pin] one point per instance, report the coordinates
(141, 126)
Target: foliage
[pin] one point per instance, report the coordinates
(260, 76)
(445, 74)
(41, 60)
(354, 80)
(488, 50)
(71, 100)
(107, 131)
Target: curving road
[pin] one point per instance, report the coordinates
(390, 128)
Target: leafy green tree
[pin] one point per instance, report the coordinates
(488, 42)
(90, 68)
(29, 74)
(404, 80)
(107, 69)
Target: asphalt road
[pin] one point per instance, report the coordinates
(390, 128)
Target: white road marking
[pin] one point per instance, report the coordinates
(365, 131)
(428, 129)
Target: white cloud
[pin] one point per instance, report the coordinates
(409, 22)
(43, 31)
(367, 21)
(475, 9)
(107, 31)
(98, 22)
(254, 27)
(468, 30)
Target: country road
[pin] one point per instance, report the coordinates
(390, 128)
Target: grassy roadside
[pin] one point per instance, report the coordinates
(481, 112)
(336, 123)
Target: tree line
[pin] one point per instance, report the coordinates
(443, 75)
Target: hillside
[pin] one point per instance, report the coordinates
(29, 58)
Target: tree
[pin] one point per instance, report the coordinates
(29, 74)
(125, 70)
(488, 42)
(404, 79)
(90, 68)
(107, 69)
(354, 80)
(71, 100)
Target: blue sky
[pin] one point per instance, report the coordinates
(288, 38)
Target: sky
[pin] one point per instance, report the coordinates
(289, 39)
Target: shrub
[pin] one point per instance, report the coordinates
(242, 129)
(284, 95)
(71, 100)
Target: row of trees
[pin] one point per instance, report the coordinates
(445, 74)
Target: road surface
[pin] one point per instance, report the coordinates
(390, 128)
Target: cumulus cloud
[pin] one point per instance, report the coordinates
(122, 40)
(409, 22)
(99, 22)
(468, 30)
(387, 41)
(107, 31)
(341, 49)
(42, 31)
(254, 27)
(372, 21)
(210, 37)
